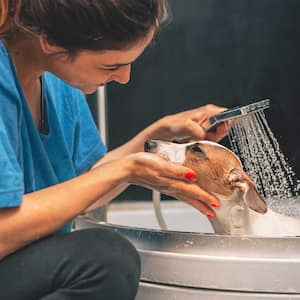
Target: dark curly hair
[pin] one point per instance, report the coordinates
(84, 24)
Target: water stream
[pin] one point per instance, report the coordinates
(253, 141)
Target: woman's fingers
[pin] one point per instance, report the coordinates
(195, 130)
(149, 163)
(220, 131)
(178, 172)
(189, 189)
(192, 123)
(199, 205)
(175, 180)
(204, 113)
(194, 192)
(198, 123)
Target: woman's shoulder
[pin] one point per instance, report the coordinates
(9, 88)
(4, 56)
(6, 67)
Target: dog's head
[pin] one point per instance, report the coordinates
(219, 171)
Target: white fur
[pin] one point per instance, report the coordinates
(174, 154)
(235, 217)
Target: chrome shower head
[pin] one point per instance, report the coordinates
(238, 112)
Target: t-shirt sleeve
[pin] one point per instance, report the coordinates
(11, 175)
(88, 148)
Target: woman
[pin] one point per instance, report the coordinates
(53, 163)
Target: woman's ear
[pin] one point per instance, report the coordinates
(241, 180)
(48, 47)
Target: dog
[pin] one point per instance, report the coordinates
(243, 211)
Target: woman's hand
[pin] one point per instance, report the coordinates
(192, 123)
(151, 171)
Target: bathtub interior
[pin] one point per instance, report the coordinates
(178, 216)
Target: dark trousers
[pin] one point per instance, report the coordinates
(91, 264)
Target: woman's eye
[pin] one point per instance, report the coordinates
(196, 148)
(112, 69)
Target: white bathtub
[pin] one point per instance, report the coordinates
(178, 216)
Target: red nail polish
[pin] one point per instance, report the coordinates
(215, 205)
(210, 216)
(190, 175)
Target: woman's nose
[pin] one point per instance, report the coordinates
(122, 75)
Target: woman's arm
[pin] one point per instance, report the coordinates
(45, 211)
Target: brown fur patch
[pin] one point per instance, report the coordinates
(212, 165)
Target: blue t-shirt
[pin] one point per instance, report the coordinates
(31, 160)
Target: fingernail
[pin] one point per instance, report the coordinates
(190, 175)
(210, 216)
(215, 205)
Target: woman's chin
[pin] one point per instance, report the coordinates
(88, 90)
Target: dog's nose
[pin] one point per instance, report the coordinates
(150, 145)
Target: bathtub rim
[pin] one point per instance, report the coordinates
(210, 261)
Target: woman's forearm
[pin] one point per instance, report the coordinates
(105, 199)
(45, 211)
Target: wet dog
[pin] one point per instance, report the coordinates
(219, 171)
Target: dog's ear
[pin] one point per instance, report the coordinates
(238, 178)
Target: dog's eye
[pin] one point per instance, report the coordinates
(196, 148)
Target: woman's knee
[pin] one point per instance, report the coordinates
(111, 250)
(105, 258)
(103, 246)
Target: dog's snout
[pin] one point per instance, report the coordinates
(150, 145)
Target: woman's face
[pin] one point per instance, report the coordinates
(92, 69)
